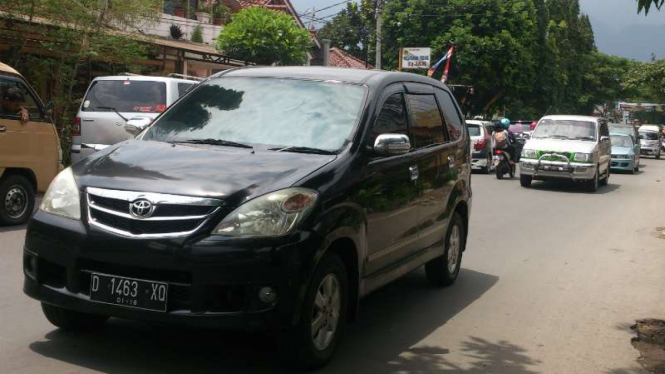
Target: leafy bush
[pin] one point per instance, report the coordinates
(265, 37)
(197, 34)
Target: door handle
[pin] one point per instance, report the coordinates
(415, 173)
(3, 129)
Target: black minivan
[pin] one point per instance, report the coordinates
(265, 199)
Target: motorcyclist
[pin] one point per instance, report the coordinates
(504, 139)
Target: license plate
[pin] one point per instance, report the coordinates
(129, 292)
(553, 168)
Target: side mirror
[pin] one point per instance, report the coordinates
(137, 124)
(604, 139)
(392, 144)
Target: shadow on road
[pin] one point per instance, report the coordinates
(12, 228)
(391, 322)
(572, 187)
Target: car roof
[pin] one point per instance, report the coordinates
(571, 118)
(649, 128)
(620, 134)
(477, 122)
(323, 73)
(143, 78)
(4, 68)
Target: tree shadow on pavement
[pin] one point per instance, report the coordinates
(391, 322)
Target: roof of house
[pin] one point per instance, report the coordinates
(340, 58)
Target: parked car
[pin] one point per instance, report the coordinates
(576, 148)
(481, 145)
(629, 130)
(650, 140)
(117, 108)
(30, 153)
(625, 153)
(267, 198)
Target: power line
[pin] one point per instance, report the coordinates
(326, 8)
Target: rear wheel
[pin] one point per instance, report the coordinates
(443, 270)
(488, 168)
(499, 171)
(312, 343)
(525, 180)
(71, 320)
(17, 200)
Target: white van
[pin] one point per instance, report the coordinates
(111, 102)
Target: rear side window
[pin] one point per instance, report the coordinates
(391, 119)
(474, 130)
(426, 121)
(183, 88)
(126, 96)
(455, 123)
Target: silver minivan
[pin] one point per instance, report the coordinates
(116, 108)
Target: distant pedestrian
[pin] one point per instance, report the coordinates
(13, 104)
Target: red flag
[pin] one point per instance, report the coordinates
(447, 70)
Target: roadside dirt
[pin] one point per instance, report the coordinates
(661, 232)
(650, 342)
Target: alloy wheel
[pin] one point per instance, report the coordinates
(326, 312)
(453, 249)
(16, 201)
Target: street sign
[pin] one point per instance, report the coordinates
(416, 58)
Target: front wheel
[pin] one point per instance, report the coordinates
(592, 185)
(70, 320)
(443, 270)
(605, 181)
(312, 343)
(17, 200)
(525, 180)
(658, 156)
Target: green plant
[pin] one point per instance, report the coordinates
(197, 34)
(264, 37)
(221, 11)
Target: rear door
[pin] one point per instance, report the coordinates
(605, 146)
(34, 145)
(102, 126)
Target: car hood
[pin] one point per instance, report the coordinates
(232, 174)
(557, 145)
(622, 150)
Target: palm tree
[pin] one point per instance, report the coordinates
(647, 4)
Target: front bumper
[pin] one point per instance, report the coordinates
(557, 170)
(649, 151)
(622, 164)
(213, 282)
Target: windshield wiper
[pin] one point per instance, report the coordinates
(215, 142)
(114, 110)
(591, 138)
(316, 151)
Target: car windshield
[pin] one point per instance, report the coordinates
(621, 141)
(279, 112)
(127, 96)
(565, 129)
(474, 130)
(628, 130)
(649, 135)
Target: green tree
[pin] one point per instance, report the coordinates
(353, 30)
(649, 78)
(603, 83)
(79, 32)
(264, 37)
(647, 4)
(197, 34)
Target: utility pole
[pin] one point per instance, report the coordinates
(379, 37)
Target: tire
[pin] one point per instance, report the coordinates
(637, 166)
(605, 181)
(525, 180)
(444, 270)
(592, 185)
(488, 169)
(658, 156)
(70, 320)
(17, 200)
(499, 172)
(299, 345)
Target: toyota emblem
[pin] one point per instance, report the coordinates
(141, 208)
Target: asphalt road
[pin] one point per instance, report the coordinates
(552, 280)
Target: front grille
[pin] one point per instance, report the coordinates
(567, 155)
(158, 215)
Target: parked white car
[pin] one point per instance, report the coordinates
(650, 140)
(118, 107)
(480, 133)
(577, 148)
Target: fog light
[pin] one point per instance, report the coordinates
(267, 295)
(580, 170)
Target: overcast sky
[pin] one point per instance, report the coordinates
(619, 29)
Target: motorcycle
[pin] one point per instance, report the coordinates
(503, 164)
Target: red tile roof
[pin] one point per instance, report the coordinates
(341, 58)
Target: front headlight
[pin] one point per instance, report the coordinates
(583, 157)
(273, 214)
(529, 153)
(62, 197)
